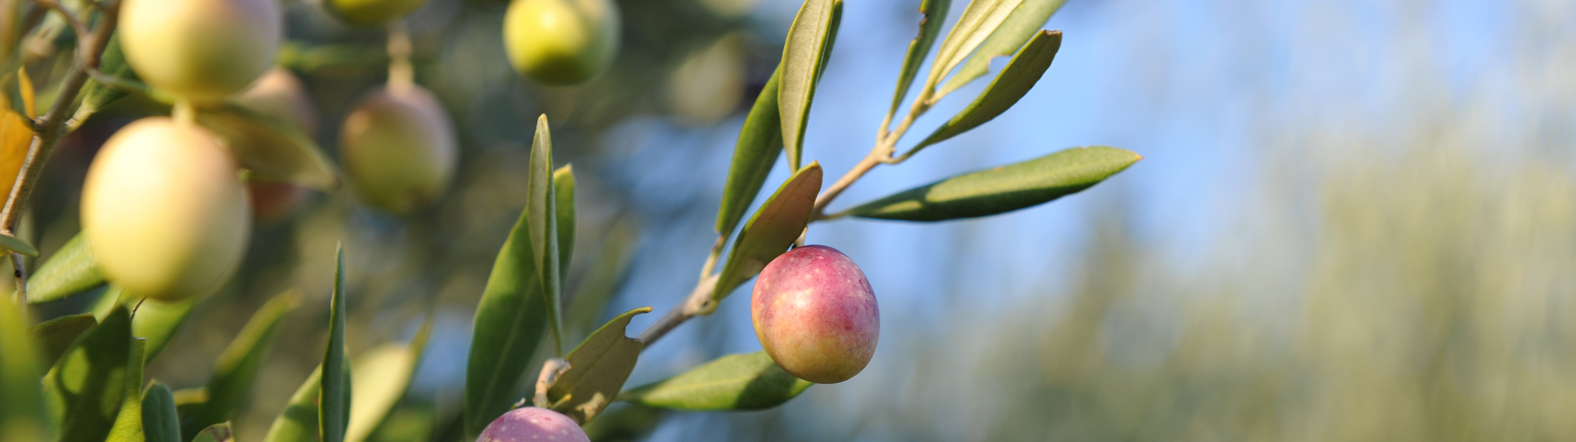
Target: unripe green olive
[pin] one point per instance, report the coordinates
(201, 50)
(163, 210)
(373, 12)
(398, 148)
(531, 424)
(816, 315)
(278, 95)
(561, 42)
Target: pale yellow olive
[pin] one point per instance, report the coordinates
(201, 50)
(163, 210)
(561, 42)
(373, 12)
(398, 147)
(278, 95)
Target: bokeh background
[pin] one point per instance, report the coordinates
(1355, 220)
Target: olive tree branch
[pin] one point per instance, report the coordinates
(52, 126)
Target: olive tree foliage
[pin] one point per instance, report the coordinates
(215, 89)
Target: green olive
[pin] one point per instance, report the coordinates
(398, 148)
(373, 12)
(163, 210)
(201, 50)
(561, 42)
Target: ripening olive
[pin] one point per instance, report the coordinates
(531, 424)
(201, 50)
(561, 42)
(398, 149)
(816, 315)
(163, 210)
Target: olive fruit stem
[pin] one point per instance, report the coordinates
(401, 74)
(52, 127)
(544, 381)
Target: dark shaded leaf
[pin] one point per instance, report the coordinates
(541, 202)
(804, 59)
(760, 143)
(598, 368)
(86, 386)
(1014, 81)
(56, 335)
(333, 413)
(128, 423)
(735, 382)
(1002, 189)
(236, 369)
(775, 226)
(510, 320)
(68, 271)
(160, 423)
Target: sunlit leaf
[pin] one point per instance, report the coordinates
(979, 20)
(217, 433)
(128, 422)
(9, 243)
(389, 367)
(68, 271)
(236, 369)
(334, 395)
(1008, 38)
(564, 202)
(598, 368)
(85, 387)
(22, 411)
(933, 15)
(1015, 80)
(734, 382)
(298, 421)
(760, 143)
(56, 335)
(272, 150)
(775, 226)
(541, 202)
(1002, 189)
(804, 58)
(510, 320)
(160, 423)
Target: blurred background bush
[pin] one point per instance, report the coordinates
(1356, 221)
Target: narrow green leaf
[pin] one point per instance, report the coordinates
(11, 243)
(334, 394)
(542, 203)
(128, 423)
(56, 335)
(298, 422)
(980, 19)
(510, 320)
(390, 367)
(236, 369)
(272, 150)
(934, 14)
(160, 423)
(22, 411)
(158, 321)
(771, 230)
(598, 368)
(734, 382)
(1014, 81)
(84, 389)
(760, 143)
(1002, 189)
(68, 271)
(804, 58)
(217, 433)
(96, 95)
(564, 191)
(1008, 38)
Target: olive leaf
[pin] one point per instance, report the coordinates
(97, 95)
(1002, 189)
(564, 200)
(155, 320)
(22, 413)
(979, 20)
(760, 143)
(775, 226)
(510, 320)
(271, 149)
(734, 382)
(390, 367)
(217, 433)
(1020, 75)
(68, 271)
(298, 421)
(804, 59)
(85, 387)
(9, 243)
(1008, 38)
(541, 202)
(160, 423)
(598, 368)
(334, 393)
(236, 369)
(128, 423)
(56, 335)
(934, 14)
